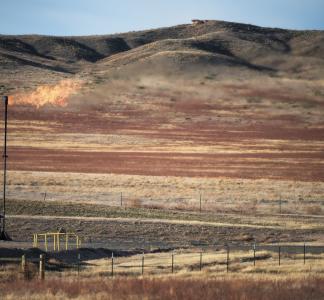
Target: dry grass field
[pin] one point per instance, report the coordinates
(243, 281)
(169, 288)
(175, 139)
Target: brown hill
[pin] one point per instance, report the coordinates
(215, 47)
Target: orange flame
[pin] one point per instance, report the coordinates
(56, 95)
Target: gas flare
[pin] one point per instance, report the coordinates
(56, 95)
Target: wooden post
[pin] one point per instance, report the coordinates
(200, 262)
(36, 240)
(304, 253)
(66, 241)
(172, 262)
(77, 242)
(23, 265)
(112, 264)
(254, 254)
(143, 264)
(79, 257)
(279, 254)
(227, 260)
(42, 267)
(121, 199)
(200, 202)
(46, 248)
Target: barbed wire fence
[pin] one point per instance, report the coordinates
(201, 201)
(229, 259)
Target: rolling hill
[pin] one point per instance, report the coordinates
(222, 48)
(217, 101)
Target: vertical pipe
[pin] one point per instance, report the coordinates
(5, 99)
(46, 248)
(66, 241)
(58, 242)
(54, 237)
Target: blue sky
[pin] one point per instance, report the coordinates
(81, 17)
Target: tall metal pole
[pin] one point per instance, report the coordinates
(4, 235)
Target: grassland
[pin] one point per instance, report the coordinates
(182, 139)
(167, 288)
(138, 227)
(243, 281)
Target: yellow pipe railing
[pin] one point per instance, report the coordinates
(56, 239)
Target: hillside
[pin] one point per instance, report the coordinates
(221, 48)
(160, 114)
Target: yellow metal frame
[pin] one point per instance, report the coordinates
(56, 236)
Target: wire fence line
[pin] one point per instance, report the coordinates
(203, 201)
(228, 259)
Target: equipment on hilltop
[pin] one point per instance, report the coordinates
(3, 234)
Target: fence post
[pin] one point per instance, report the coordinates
(304, 253)
(172, 262)
(200, 262)
(143, 264)
(79, 257)
(254, 254)
(227, 259)
(279, 254)
(121, 199)
(112, 264)
(42, 267)
(200, 202)
(23, 265)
